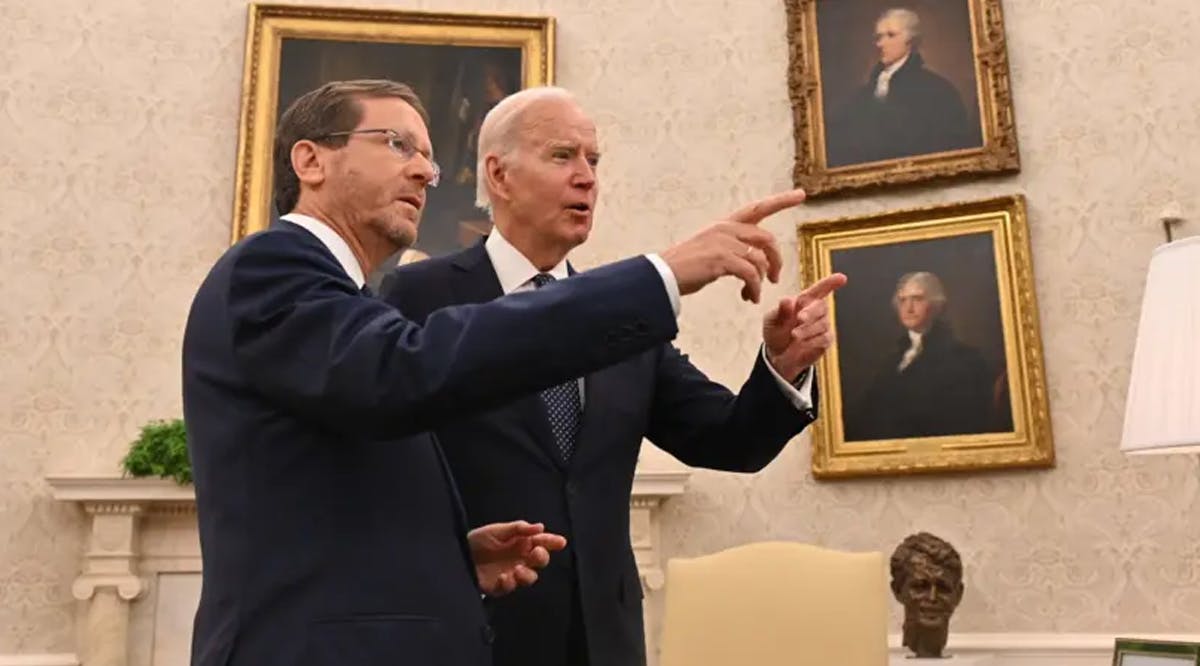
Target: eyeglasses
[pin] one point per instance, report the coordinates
(400, 145)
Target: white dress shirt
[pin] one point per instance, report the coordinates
(336, 244)
(910, 354)
(516, 273)
(882, 85)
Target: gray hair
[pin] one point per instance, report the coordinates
(928, 282)
(500, 129)
(908, 18)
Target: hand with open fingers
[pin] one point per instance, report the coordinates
(796, 332)
(508, 555)
(735, 246)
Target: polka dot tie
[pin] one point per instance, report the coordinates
(563, 405)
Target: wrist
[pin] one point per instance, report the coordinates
(790, 372)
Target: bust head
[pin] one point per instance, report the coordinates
(927, 578)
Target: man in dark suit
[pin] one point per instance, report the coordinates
(566, 457)
(931, 383)
(904, 110)
(330, 529)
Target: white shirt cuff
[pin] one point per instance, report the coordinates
(800, 396)
(668, 278)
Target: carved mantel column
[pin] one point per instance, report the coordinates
(108, 578)
(650, 488)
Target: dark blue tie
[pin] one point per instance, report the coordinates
(563, 404)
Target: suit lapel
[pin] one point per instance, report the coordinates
(475, 281)
(595, 387)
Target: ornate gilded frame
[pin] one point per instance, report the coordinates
(1030, 443)
(999, 153)
(269, 24)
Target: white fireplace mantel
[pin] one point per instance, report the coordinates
(141, 533)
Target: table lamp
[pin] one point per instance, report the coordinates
(1162, 408)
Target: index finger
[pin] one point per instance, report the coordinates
(824, 287)
(755, 212)
(549, 541)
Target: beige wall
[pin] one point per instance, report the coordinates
(118, 125)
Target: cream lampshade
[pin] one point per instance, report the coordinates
(1162, 409)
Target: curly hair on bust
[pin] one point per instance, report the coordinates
(936, 550)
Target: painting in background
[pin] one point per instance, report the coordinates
(937, 364)
(888, 94)
(898, 91)
(459, 64)
(457, 84)
(932, 307)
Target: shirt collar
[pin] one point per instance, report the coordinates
(336, 244)
(513, 268)
(891, 69)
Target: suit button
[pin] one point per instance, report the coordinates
(488, 634)
(571, 489)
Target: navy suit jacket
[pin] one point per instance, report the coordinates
(506, 465)
(330, 529)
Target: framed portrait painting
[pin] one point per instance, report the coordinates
(1139, 652)
(460, 65)
(886, 92)
(937, 364)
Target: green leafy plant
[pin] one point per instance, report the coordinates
(160, 450)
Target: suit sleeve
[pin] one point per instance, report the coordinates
(414, 290)
(309, 341)
(703, 424)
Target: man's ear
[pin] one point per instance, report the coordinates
(496, 174)
(309, 162)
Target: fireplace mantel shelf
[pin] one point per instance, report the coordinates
(139, 528)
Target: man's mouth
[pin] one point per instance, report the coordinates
(580, 207)
(413, 200)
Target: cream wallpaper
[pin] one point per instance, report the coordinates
(118, 123)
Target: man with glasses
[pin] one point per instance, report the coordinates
(570, 451)
(330, 528)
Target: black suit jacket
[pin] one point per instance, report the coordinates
(330, 530)
(506, 465)
(946, 390)
(922, 114)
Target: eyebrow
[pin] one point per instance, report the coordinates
(569, 145)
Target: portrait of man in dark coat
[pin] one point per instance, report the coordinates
(904, 108)
(931, 383)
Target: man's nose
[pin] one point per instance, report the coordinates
(421, 169)
(585, 177)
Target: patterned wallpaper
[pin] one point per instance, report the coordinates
(118, 122)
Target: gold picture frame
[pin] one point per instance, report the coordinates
(846, 140)
(457, 63)
(970, 394)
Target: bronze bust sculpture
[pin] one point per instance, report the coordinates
(927, 578)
